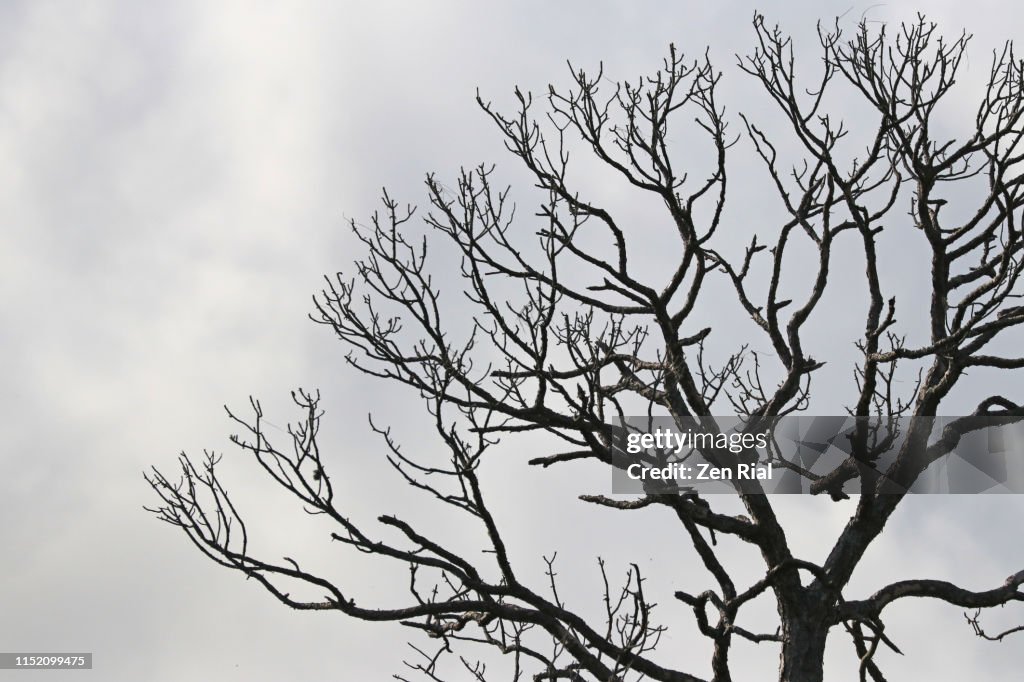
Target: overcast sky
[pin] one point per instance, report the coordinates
(174, 182)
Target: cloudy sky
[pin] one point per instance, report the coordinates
(175, 180)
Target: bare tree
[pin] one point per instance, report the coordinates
(570, 333)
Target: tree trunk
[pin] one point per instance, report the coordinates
(803, 648)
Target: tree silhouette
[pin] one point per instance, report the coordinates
(570, 333)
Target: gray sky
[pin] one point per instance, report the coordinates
(175, 182)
